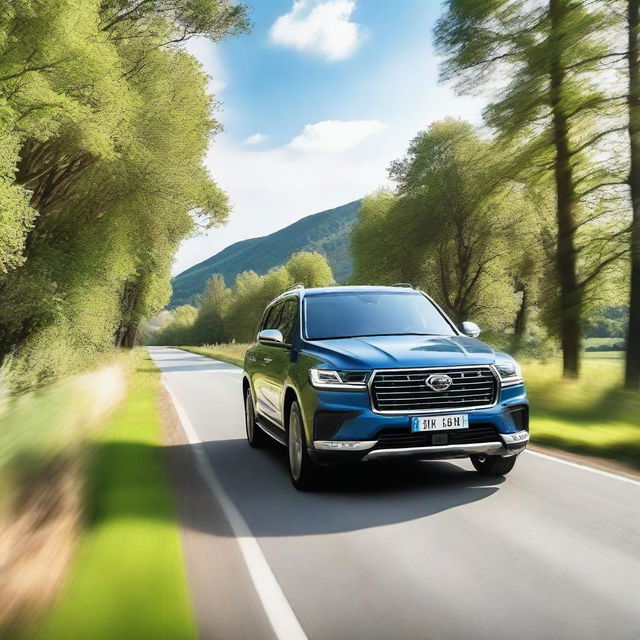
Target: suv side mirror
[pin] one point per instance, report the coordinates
(270, 336)
(470, 329)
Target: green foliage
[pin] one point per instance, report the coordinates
(451, 226)
(233, 315)
(105, 125)
(610, 322)
(326, 232)
(180, 329)
(209, 325)
(552, 95)
(16, 216)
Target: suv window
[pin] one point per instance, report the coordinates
(352, 314)
(288, 317)
(272, 317)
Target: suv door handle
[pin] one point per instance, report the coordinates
(267, 360)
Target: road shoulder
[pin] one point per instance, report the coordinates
(223, 596)
(601, 464)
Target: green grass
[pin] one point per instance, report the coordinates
(603, 355)
(598, 342)
(128, 579)
(231, 353)
(592, 415)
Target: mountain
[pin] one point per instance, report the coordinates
(327, 232)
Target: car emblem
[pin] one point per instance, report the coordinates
(439, 382)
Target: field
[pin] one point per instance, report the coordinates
(591, 415)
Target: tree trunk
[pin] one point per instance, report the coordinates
(570, 291)
(130, 336)
(520, 324)
(127, 331)
(632, 372)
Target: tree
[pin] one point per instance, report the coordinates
(550, 51)
(179, 331)
(252, 292)
(107, 123)
(632, 369)
(209, 327)
(376, 252)
(451, 226)
(310, 269)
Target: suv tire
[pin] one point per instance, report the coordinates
(304, 474)
(493, 465)
(256, 437)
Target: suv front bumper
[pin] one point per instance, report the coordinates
(345, 429)
(349, 450)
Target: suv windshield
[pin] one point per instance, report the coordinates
(350, 315)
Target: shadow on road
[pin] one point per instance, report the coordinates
(352, 498)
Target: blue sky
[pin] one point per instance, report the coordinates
(316, 102)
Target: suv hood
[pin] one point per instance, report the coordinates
(380, 352)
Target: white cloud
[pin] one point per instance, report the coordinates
(207, 54)
(335, 135)
(256, 138)
(321, 28)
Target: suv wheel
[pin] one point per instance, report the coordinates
(255, 435)
(304, 474)
(493, 465)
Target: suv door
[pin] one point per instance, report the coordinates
(261, 370)
(277, 359)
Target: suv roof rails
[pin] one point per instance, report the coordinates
(295, 287)
(403, 284)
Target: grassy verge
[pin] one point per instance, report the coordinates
(231, 353)
(128, 578)
(591, 415)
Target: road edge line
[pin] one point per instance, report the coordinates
(281, 616)
(585, 467)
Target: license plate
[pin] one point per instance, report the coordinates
(439, 423)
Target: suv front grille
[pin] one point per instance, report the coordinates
(403, 438)
(406, 390)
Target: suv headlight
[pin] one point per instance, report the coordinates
(509, 371)
(332, 379)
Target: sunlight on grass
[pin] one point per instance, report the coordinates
(590, 415)
(128, 580)
(232, 352)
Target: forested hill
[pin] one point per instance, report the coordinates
(328, 232)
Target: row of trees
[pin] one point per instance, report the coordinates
(104, 124)
(564, 82)
(233, 315)
(544, 214)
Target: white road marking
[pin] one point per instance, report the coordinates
(283, 620)
(584, 467)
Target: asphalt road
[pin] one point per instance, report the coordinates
(418, 550)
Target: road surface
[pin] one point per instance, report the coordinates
(422, 550)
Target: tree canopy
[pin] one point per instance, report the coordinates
(104, 124)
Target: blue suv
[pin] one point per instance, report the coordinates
(347, 374)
